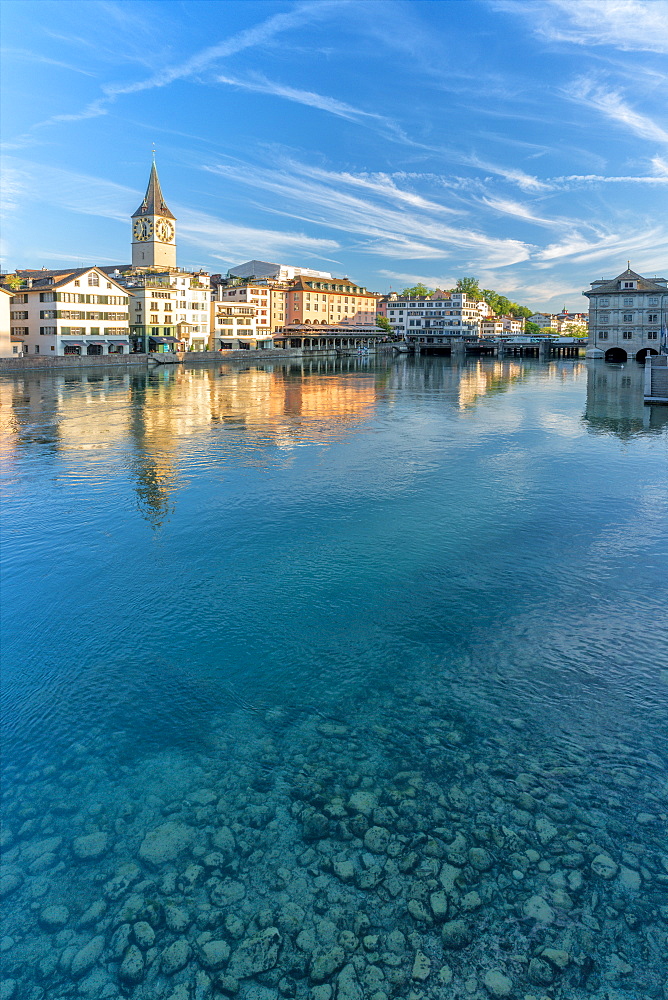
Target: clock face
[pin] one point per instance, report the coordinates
(164, 230)
(142, 229)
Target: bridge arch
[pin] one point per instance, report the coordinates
(616, 354)
(641, 355)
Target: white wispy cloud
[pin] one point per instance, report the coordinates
(261, 85)
(324, 198)
(524, 181)
(610, 103)
(86, 195)
(257, 35)
(649, 239)
(37, 57)
(629, 25)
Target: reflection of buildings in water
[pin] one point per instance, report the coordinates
(93, 413)
(160, 413)
(288, 404)
(153, 424)
(482, 379)
(615, 401)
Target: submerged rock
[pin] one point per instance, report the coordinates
(496, 984)
(456, 934)
(91, 846)
(53, 918)
(256, 954)
(175, 957)
(132, 966)
(166, 842)
(604, 866)
(86, 957)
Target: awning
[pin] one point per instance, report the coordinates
(117, 340)
(73, 343)
(164, 340)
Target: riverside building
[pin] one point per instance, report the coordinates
(626, 316)
(80, 311)
(452, 315)
(332, 301)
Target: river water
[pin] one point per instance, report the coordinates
(335, 680)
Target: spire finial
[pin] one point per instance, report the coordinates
(153, 151)
(628, 264)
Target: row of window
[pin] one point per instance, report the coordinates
(74, 314)
(653, 300)
(97, 300)
(628, 335)
(628, 318)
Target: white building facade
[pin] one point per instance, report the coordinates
(78, 311)
(626, 316)
(454, 315)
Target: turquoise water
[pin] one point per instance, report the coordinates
(358, 668)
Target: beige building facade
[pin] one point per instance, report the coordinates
(626, 316)
(322, 302)
(76, 311)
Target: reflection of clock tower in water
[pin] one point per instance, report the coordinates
(153, 229)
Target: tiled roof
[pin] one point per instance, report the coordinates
(44, 278)
(643, 284)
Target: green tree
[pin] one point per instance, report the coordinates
(383, 323)
(579, 330)
(418, 291)
(13, 281)
(547, 331)
(523, 312)
(531, 329)
(471, 287)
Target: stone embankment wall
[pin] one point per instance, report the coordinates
(75, 361)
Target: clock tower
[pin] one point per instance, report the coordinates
(153, 229)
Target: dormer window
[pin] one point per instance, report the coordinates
(628, 284)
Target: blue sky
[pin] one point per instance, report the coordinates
(521, 141)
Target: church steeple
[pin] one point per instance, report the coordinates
(153, 203)
(153, 229)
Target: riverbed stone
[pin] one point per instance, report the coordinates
(132, 966)
(175, 956)
(166, 842)
(604, 866)
(456, 934)
(10, 880)
(214, 954)
(421, 967)
(480, 859)
(86, 957)
(376, 839)
(347, 984)
(538, 909)
(144, 934)
(54, 917)
(176, 918)
(324, 964)
(90, 846)
(497, 984)
(256, 954)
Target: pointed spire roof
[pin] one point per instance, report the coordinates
(153, 203)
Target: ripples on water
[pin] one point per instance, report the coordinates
(303, 602)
